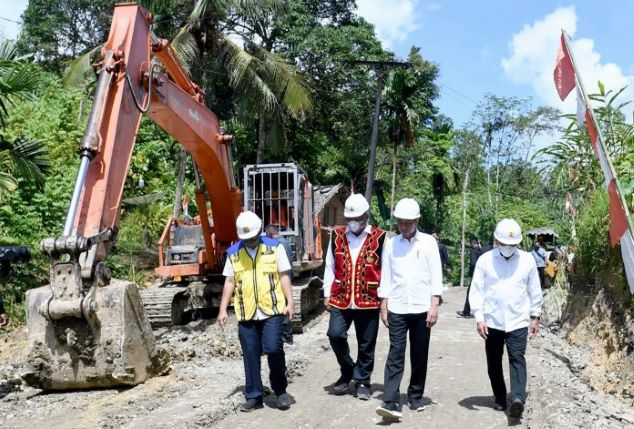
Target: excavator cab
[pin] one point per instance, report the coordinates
(282, 195)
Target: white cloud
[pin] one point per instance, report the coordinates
(393, 20)
(532, 59)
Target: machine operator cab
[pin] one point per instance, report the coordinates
(282, 195)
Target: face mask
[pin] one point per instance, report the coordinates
(356, 226)
(507, 251)
(252, 243)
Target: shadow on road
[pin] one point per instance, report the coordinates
(477, 401)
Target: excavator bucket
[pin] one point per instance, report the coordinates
(109, 343)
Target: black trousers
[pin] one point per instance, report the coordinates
(515, 342)
(466, 310)
(419, 333)
(542, 279)
(257, 336)
(366, 326)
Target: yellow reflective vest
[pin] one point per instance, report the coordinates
(257, 281)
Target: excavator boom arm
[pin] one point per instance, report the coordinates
(128, 76)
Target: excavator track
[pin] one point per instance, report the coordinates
(165, 305)
(307, 297)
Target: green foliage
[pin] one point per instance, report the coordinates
(56, 31)
(293, 78)
(592, 230)
(572, 163)
(331, 142)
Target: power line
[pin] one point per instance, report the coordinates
(471, 100)
(459, 102)
(10, 20)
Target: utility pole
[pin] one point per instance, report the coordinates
(381, 68)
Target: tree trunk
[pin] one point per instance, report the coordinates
(465, 184)
(180, 182)
(261, 139)
(374, 137)
(497, 187)
(394, 163)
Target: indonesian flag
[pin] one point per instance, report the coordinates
(564, 73)
(564, 76)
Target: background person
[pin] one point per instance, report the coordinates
(444, 254)
(4, 318)
(539, 254)
(273, 232)
(476, 251)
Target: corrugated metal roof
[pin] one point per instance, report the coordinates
(323, 194)
(534, 232)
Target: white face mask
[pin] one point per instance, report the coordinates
(356, 226)
(507, 251)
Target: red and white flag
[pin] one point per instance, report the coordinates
(565, 81)
(564, 73)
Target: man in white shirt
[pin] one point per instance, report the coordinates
(410, 292)
(351, 280)
(506, 299)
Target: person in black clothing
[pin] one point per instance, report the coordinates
(476, 251)
(273, 232)
(10, 255)
(4, 319)
(444, 255)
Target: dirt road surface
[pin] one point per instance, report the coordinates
(204, 387)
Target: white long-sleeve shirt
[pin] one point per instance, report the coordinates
(354, 244)
(411, 272)
(505, 293)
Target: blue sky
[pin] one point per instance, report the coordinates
(506, 47)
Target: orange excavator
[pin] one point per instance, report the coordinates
(191, 286)
(87, 329)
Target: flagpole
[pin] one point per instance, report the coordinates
(600, 138)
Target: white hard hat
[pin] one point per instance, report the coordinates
(356, 205)
(508, 232)
(248, 225)
(407, 209)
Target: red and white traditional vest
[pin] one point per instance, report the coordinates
(361, 279)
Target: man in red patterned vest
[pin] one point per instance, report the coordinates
(351, 279)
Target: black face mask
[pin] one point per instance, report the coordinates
(252, 243)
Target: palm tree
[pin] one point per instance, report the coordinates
(265, 85)
(18, 78)
(570, 162)
(20, 157)
(408, 96)
(268, 87)
(438, 141)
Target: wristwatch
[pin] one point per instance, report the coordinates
(536, 318)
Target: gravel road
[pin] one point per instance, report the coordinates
(204, 387)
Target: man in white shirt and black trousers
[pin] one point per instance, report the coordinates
(506, 299)
(410, 291)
